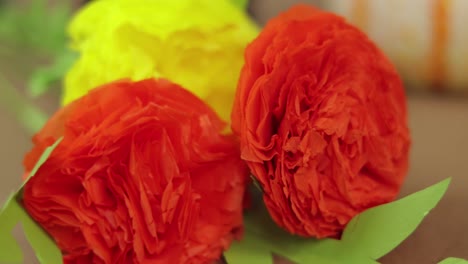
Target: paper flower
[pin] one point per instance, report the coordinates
(198, 44)
(322, 118)
(143, 174)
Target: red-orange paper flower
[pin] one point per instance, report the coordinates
(322, 118)
(143, 174)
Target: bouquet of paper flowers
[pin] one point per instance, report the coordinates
(188, 134)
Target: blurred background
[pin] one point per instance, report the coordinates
(426, 39)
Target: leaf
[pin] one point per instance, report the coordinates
(242, 4)
(12, 213)
(368, 236)
(454, 261)
(263, 237)
(377, 231)
(9, 216)
(45, 248)
(27, 114)
(36, 25)
(43, 78)
(251, 248)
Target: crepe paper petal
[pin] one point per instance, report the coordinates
(43, 78)
(454, 261)
(377, 231)
(290, 135)
(181, 202)
(198, 44)
(12, 213)
(30, 117)
(10, 252)
(242, 4)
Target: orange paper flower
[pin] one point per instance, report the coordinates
(143, 174)
(322, 118)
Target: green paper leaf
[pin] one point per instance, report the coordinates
(367, 237)
(454, 261)
(9, 216)
(263, 237)
(12, 213)
(377, 231)
(45, 248)
(252, 248)
(242, 4)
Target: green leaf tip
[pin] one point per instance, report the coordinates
(45, 248)
(10, 215)
(454, 261)
(45, 155)
(13, 213)
(364, 233)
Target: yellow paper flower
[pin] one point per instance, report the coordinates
(196, 43)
